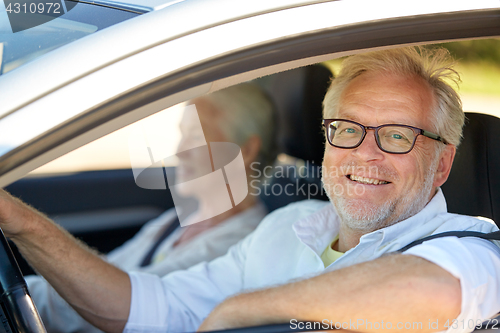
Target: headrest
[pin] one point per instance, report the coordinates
(473, 187)
(298, 94)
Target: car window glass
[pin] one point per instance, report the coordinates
(159, 132)
(82, 20)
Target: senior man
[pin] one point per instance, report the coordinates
(314, 260)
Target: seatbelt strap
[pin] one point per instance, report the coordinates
(489, 236)
(167, 232)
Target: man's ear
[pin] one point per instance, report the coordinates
(444, 165)
(250, 150)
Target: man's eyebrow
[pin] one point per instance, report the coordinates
(347, 115)
(351, 116)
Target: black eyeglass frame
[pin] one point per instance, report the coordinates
(416, 130)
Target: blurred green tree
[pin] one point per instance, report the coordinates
(487, 50)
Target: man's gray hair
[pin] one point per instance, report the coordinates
(247, 110)
(432, 65)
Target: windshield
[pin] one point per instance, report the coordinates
(18, 48)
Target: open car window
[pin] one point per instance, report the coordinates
(152, 143)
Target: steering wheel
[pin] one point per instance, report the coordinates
(20, 312)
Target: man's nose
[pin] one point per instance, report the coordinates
(368, 150)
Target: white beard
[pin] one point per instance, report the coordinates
(360, 216)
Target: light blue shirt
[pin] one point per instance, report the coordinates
(288, 244)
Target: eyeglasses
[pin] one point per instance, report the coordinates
(390, 138)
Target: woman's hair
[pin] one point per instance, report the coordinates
(247, 110)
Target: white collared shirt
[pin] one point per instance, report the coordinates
(58, 316)
(210, 244)
(288, 244)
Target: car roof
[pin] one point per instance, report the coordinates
(182, 38)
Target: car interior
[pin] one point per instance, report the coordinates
(105, 208)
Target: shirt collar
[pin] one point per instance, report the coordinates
(318, 229)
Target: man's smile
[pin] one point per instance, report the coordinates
(368, 181)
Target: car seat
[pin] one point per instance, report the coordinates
(473, 187)
(298, 95)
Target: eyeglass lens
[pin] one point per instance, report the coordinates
(391, 138)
